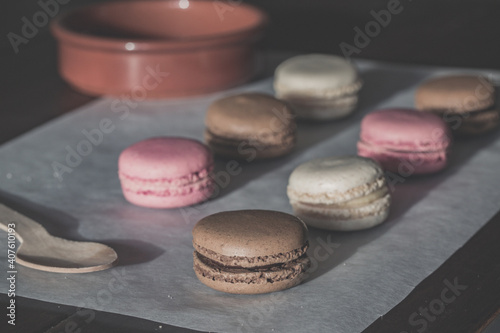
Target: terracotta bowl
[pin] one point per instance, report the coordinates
(153, 49)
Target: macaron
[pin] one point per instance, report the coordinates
(318, 86)
(250, 251)
(341, 193)
(465, 102)
(166, 172)
(405, 141)
(250, 126)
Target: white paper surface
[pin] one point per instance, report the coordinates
(354, 280)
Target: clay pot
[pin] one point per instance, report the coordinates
(154, 49)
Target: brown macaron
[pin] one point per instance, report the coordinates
(250, 251)
(250, 126)
(465, 102)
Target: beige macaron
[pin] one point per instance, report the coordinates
(318, 86)
(339, 193)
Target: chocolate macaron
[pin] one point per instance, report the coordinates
(465, 102)
(250, 126)
(250, 251)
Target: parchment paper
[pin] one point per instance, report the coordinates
(356, 277)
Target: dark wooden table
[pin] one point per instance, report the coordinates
(443, 33)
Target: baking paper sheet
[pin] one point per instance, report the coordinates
(356, 277)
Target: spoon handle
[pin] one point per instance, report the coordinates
(23, 225)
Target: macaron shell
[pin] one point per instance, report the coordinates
(334, 179)
(460, 93)
(320, 75)
(250, 233)
(164, 158)
(405, 130)
(246, 115)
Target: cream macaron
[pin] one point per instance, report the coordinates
(339, 193)
(318, 86)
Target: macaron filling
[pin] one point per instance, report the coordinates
(418, 149)
(168, 186)
(167, 192)
(482, 106)
(337, 197)
(240, 261)
(283, 91)
(261, 142)
(436, 159)
(473, 121)
(215, 271)
(374, 204)
(433, 142)
(354, 203)
(376, 211)
(345, 101)
(480, 122)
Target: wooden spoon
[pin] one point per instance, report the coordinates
(42, 251)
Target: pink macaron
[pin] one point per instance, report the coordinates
(405, 141)
(166, 172)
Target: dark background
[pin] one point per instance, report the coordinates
(444, 33)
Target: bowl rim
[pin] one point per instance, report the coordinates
(64, 34)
